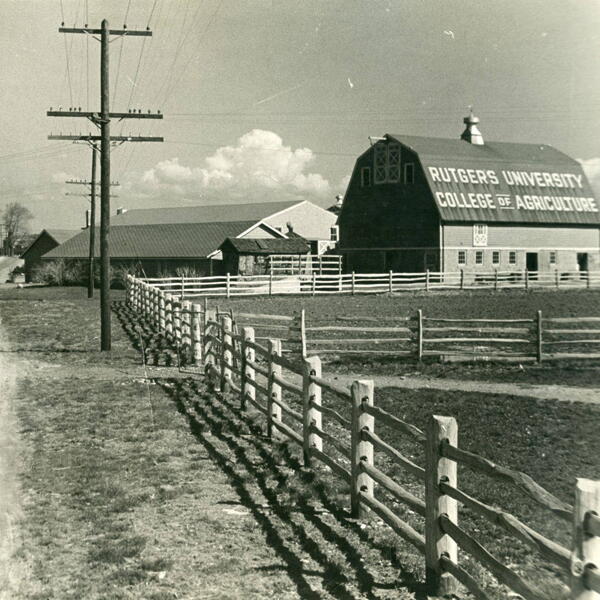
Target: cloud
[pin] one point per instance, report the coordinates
(591, 167)
(259, 167)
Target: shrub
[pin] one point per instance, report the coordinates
(188, 271)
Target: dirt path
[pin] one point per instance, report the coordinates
(525, 390)
(14, 572)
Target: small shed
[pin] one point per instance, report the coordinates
(243, 256)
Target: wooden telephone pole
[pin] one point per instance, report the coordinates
(92, 224)
(103, 121)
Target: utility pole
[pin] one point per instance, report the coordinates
(92, 224)
(103, 121)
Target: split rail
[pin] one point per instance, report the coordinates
(334, 427)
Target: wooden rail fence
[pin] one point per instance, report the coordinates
(419, 337)
(323, 282)
(297, 404)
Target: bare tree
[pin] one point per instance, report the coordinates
(15, 219)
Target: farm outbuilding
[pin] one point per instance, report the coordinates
(419, 203)
(47, 240)
(163, 249)
(251, 256)
(304, 218)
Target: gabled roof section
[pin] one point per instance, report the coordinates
(295, 245)
(172, 240)
(504, 182)
(58, 235)
(210, 213)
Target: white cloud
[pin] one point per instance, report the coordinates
(591, 167)
(258, 168)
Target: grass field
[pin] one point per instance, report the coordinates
(139, 484)
(513, 304)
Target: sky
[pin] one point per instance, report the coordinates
(275, 99)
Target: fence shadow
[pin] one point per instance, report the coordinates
(154, 347)
(294, 502)
(295, 508)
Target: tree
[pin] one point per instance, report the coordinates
(15, 220)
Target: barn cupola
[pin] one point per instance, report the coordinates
(471, 133)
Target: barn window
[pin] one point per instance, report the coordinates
(393, 162)
(365, 177)
(334, 233)
(380, 154)
(480, 234)
(552, 258)
(479, 257)
(386, 162)
(462, 257)
(409, 173)
(512, 257)
(496, 257)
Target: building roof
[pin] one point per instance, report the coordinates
(504, 182)
(58, 235)
(209, 213)
(295, 245)
(170, 240)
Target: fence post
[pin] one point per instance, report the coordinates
(176, 304)
(311, 415)
(390, 282)
(161, 310)
(556, 278)
(208, 351)
(271, 283)
(186, 324)
(303, 333)
(353, 282)
(526, 279)
(228, 286)
(587, 279)
(196, 334)
(539, 335)
(427, 280)
(169, 315)
(248, 372)
(419, 335)
(226, 354)
(182, 289)
(440, 430)
(585, 558)
(495, 280)
(274, 395)
(462, 279)
(314, 283)
(361, 451)
(146, 300)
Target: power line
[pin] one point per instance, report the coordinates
(201, 39)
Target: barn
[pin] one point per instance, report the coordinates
(419, 203)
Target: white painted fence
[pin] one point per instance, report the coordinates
(372, 283)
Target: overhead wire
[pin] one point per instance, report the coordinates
(202, 37)
(62, 12)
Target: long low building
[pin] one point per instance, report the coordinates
(416, 203)
(162, 240)
(161, 249)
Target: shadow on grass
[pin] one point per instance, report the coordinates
(296, 501)
(154, 346)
